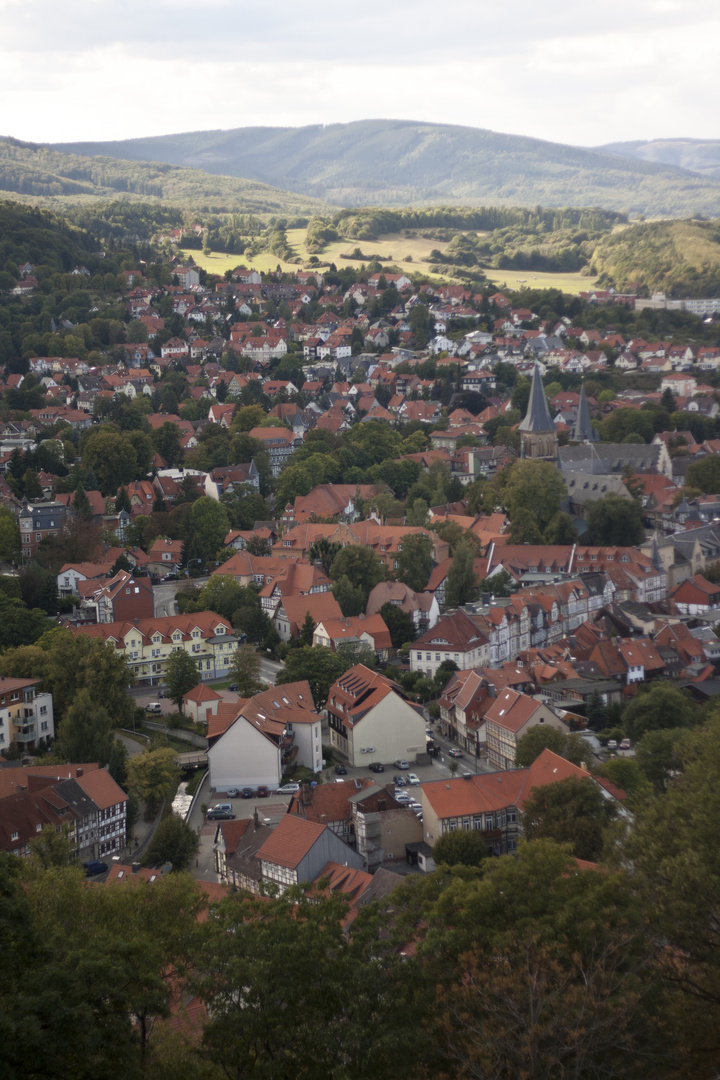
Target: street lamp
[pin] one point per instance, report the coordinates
(198, 561)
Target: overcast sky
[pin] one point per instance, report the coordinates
(577, 73)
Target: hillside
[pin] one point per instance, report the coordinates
(48, 177)
(700, 156)
(398, 163)
(680, 258)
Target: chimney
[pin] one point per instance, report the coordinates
(306, 792)
(135, 867)
(79, 772)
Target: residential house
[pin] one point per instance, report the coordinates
(368, 714)
(27, 719)
(369, 630)
(298, 850)
(454, 637)
(510, 716)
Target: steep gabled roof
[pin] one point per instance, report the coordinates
(290, 842)
(537, 417)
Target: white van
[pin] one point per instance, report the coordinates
(153, 707)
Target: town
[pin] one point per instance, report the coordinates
(338, 599)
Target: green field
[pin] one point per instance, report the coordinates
(395, 247)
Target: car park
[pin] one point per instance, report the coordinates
(247, 793)
(399, 780)
(232, 792)
(341, 770)
(262, 792)
(413, 779)
(400, 764)
(218, 813)
(288, 789)
(376, 766)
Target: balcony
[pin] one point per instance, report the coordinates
(25, 735)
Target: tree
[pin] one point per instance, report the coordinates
(209, 525)
(166, 440)
(351, 598)
(360, 565)
(9, 534)
(572, 811)
(81, 507)
(111, 456)
(399, 623)
(613, 520)
(596, 712)
(85, 733)
(465, 847)
(319, 666)
(324, 552)
(534, 487)
(561, 530)
(531, 745)
(122, 500)
(657, 755)
(418, 513)
(174, 842)
(154, 776)
(181, 675)
(538, 971)
(415, 561)
(307, 630)
(524, 528)
(20, 625)
(245, 671)
(221, 594)
(658, 706)
(704, 475)
(461, 585)
(53, 847)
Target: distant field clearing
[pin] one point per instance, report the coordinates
(392, 246)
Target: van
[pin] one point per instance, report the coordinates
(153, 707)
(94, 866)
(612, 744)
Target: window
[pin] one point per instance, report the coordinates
(44, 725)
(14, 836)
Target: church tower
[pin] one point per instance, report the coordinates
(583, 431)
(538, 437)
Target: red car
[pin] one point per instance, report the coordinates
(262, 792)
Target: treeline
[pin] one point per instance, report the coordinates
(369, 224)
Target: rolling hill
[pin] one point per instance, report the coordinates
(701, 156)
(47, 177)
(400, 163)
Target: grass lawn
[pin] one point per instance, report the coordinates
(393, 246)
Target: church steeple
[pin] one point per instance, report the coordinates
(583, 431)
(538, 437)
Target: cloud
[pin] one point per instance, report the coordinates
(93, 69)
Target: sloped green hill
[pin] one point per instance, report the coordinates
(679, 258)
(399, 162)
(46, 176)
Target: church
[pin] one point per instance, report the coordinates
(538, 436)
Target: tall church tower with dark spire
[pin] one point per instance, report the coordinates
(538, 436)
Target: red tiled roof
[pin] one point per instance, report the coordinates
(290, 841)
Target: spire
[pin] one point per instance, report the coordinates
(583, 430)
(537, 417)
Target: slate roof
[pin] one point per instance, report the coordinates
(537, 417)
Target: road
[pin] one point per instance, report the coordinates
(164, 595)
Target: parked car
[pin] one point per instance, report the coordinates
(170, 577)
(262, 792)
(413, 779)
(218, 814)
(232, 687)
(153, 707)
(429, 732)
(455, 752)
(625, 744)
(94, 866)
(288, 789)
(612, 744)
(402, 797)
(399, 780)
(161, 693)
(341, 770)
(232, 792)
(376, 766)
(400, 764)
(247, 793)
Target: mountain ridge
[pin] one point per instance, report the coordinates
(401, 162)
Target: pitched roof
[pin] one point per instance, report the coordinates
(290, 842)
